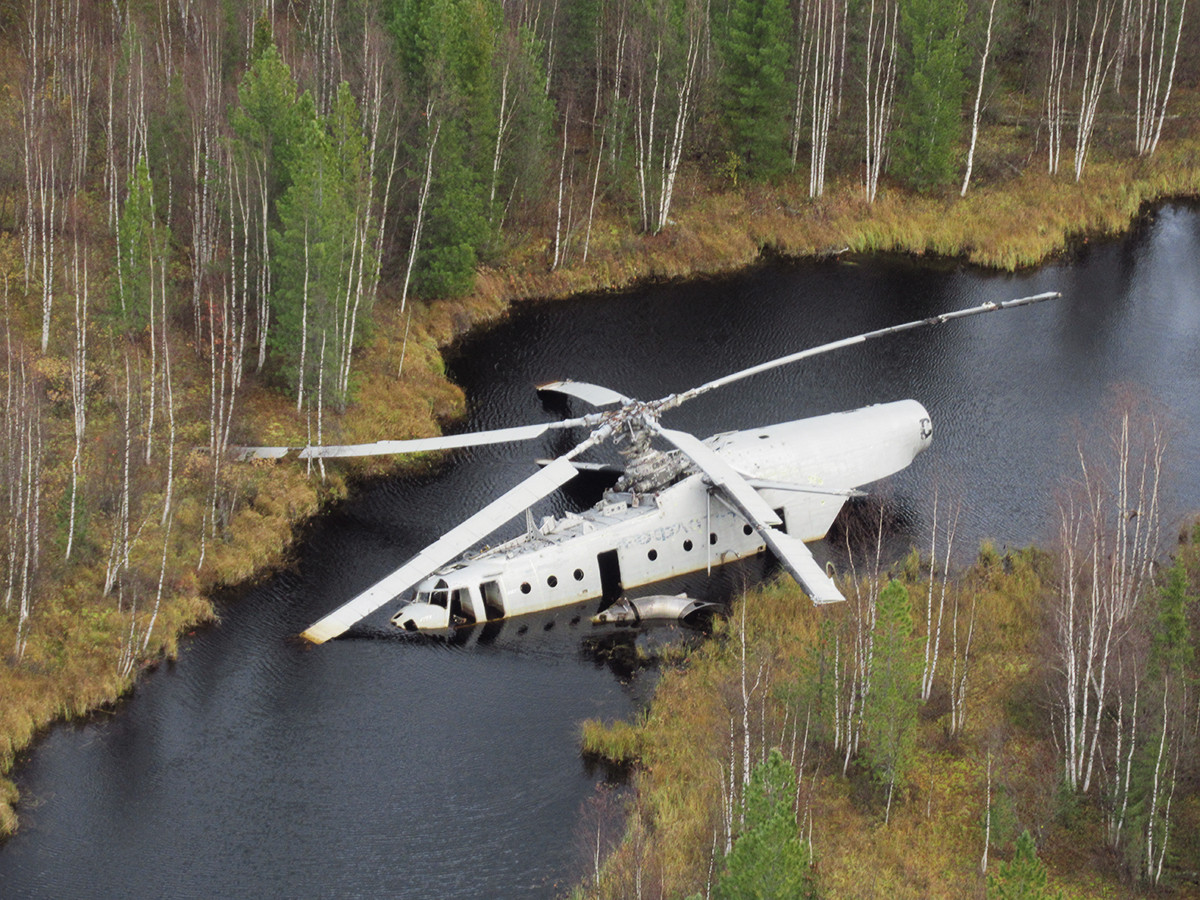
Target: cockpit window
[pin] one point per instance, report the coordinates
(439, 598)
(422, 596)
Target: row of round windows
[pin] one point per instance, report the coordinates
(551, 581)
(652, 555)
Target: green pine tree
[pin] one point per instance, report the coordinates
(142, 242)
(1024, 878)
(769, 859)
(1171, 655)
(316, 248)
(931, 90)
(269, 120)
(890, 707)
(446, 48)
(755, 48)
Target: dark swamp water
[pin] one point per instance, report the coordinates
(375, 765)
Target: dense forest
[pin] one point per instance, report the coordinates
(227, 223)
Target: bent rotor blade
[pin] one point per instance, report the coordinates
(722, 475)
(795, 556)
(444, 549)
(674, 400)
(413, 445)
(792, 554)
(595, 394)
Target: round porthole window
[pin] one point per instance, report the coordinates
(712, 538)
(652, 555)
(579, 574)
(747, 530)
(526, 587)
(687, 545)
(552, 581)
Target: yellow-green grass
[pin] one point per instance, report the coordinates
(932, 844)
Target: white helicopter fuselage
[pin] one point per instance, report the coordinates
(803, 469)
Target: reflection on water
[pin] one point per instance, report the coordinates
(256, 765)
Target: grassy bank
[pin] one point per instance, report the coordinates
(85, 647)
(751, 688)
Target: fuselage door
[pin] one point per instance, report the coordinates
(610, 578)
(493, 599)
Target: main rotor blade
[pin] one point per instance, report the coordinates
(674, 400)
(795, 556)
(414, 445)
(595, 394)
(792, 554)
(444, 549)
(722, 475)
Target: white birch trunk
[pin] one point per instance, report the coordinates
(1095, 71)
(880, 86)
(1154, 79)
(987, 49)
(435, 127)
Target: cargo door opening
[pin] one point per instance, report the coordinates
(493, 600)
(462, 611)
(610, 579)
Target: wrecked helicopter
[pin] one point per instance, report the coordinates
(684, 506)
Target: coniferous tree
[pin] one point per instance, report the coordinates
(755, 48)
(1168, 703)
(769, 859)
(446, 49)
(268, 125)
(931, 91)
(1024, 878)
(267, 122)
(890, 707)
(141, 243)
(325, 231)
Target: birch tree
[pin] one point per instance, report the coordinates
(1056, 86)
(206, 146)
(880, 84)
(983, 61)
(50, 129)
(666, 50)
(1098, 61)
(21, 461)
(1154, 43)
(824, 21)
(1109, 532)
